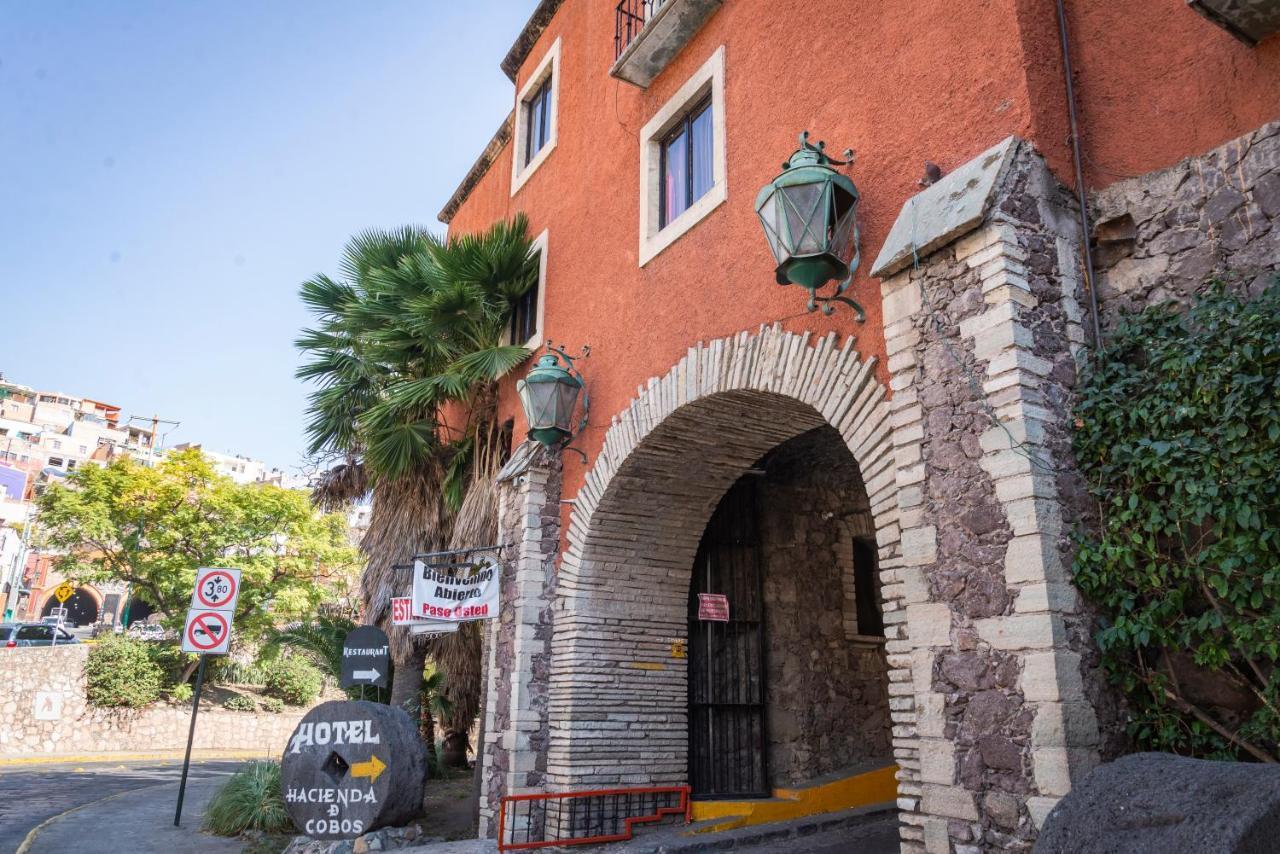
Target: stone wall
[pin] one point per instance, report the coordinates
(1161, 236)
(53, 676)
(517, 650)
(827, 696)
(982, 336)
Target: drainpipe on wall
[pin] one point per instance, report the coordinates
(1081, 195)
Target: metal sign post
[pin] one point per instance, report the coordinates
(191, 734)
(207, 632)
(62, 593)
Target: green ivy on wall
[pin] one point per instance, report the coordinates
(1178, 435)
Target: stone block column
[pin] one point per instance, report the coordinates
(983, 324)
(517, 644)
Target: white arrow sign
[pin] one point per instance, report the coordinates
(366, 675)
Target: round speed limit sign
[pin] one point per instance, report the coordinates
(216, 588)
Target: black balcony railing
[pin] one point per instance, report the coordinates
(629, 21)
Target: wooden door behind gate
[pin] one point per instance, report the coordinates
(727, 757)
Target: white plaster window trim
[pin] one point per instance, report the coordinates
(539, 246)
(707, 79)
(549, 66)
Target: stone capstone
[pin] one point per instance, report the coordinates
(1159, 803)
(351, 767)
(946, 211)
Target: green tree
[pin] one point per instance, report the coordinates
(154, 526)
(413, 325)
(1178, 433)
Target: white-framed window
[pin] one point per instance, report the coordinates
(534, 134)
(682, 159)
(528, 312)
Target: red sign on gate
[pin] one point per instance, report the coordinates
(713, 607)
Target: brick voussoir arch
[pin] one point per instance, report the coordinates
(616, 695)
(827, 376)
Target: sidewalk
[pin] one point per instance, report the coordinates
(139, 821)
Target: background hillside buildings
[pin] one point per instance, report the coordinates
(44, 435)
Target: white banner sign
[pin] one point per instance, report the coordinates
(456, 591)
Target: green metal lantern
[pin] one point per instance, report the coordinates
(549, 396)
(809, 214)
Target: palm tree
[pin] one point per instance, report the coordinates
(413, 324)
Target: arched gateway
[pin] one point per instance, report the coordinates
(591, 671)
(636, 528)
(965, 481)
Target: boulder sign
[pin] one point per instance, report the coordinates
(1157, 803)
(351, 767)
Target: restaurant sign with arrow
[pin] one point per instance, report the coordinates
(366, 658)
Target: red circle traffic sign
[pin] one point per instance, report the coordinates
(209, 641)
(216, 600)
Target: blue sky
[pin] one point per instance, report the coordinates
(171, 172)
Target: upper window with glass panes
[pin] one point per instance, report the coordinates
(682, 159)
(534, 134)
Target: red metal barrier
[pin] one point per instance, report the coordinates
(585, 818)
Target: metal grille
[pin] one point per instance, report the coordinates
(727, 756)
(629, 19)
(585, 818)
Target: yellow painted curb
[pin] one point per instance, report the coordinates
(873, 787)
(161, 755)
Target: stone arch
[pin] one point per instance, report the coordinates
(85, 605)
(617, 695)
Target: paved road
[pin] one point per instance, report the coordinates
(34, 793)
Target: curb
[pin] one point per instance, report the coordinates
(158, 755)
(35, 831)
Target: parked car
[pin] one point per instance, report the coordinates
(33, 634)
(148, 631)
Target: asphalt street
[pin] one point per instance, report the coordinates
(30, 794)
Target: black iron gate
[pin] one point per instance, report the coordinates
(726, 660)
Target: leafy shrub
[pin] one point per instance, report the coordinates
(1178, 435)
(293, 680)
(249, 800)
(235, 670)
(181, 693)
(273, 705)
(168, 656)
(238, 703)
(120, 673)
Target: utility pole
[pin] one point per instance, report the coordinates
(156, 421)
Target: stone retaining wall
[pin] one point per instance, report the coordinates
(53, 679)
(1161, 236)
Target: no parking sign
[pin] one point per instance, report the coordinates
(213, 605)
(207, 632)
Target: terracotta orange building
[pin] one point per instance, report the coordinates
(883, 505)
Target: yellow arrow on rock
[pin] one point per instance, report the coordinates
(370, 769)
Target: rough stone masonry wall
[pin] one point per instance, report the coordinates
(827, 697)
(518, 642)
(980, 337)
(1162, 236)
(82, 728)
